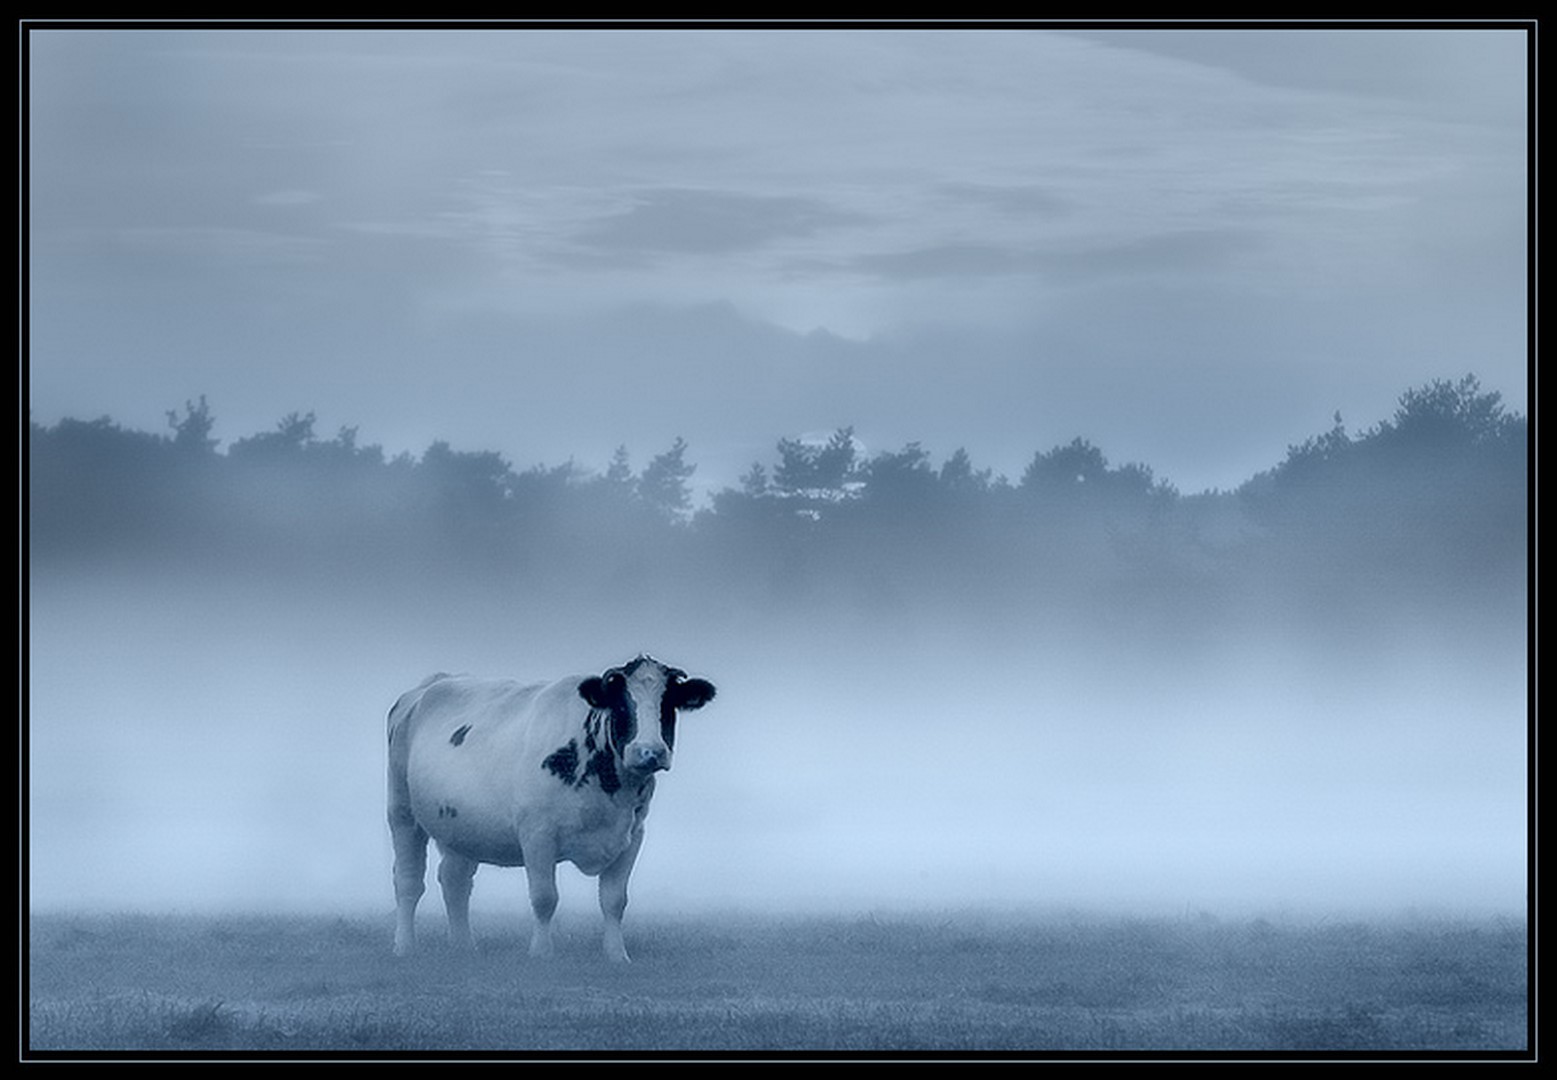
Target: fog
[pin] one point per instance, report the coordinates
(1191, 676)
(218, 744)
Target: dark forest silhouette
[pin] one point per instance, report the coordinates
(1430, 504)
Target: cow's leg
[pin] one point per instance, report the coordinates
(456, 874)
(410, 874)
(613, 899)
(540, 867)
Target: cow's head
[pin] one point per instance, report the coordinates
(641, 699)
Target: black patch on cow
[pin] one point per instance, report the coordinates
(459, 735)
(563, 762)
(602, 766)
(689, 694)
(608, 694)
(624, 721)
(592, 691)
(601, 691)
(668, 717)
(445, 810)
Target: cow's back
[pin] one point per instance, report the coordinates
(498, 707)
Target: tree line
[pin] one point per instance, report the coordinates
(1433, 498)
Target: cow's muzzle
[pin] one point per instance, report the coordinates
(648, 759)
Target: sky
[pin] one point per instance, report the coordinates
(1192, 247)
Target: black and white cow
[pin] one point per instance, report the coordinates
(501, 772)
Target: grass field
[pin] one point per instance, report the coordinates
(743, 985)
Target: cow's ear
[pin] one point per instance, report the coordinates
(592, 690)
(694, 693)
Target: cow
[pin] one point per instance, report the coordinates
(513, 774)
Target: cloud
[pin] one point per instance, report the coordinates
(1467, 72)
(1180, 252)
(218, 242)
(1014, 200)
(687, 221)
(948, 260)
(288, 198)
